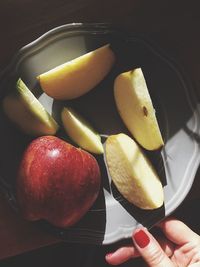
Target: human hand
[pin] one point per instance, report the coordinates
(180, 246)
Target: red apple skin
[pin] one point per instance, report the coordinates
(56, 182)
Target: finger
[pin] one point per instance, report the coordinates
(178, 232)
(122, 255)
(150, 249)
(166, 245)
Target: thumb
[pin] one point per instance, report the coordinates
(150, 249)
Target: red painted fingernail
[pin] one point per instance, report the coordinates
(141, 239)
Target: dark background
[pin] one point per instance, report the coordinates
(173, 25)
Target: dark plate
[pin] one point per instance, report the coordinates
(111, 218)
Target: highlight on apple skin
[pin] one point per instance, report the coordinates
(136, 109)
(78, 76)
(56, 182)
(132, 172)
(25, 111)
(80, 131)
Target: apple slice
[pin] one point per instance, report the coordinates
(132, 173)
(81, 132)
(78, 76)
(136, 109)
(23, 108)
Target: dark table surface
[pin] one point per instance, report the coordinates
(173, 25)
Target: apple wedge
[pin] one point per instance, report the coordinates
(132, 173)
(23, 108)
(81, 132)
(78, 76)
(136, 109)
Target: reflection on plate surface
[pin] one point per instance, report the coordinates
(178, 110)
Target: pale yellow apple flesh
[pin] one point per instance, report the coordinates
(78, 76)
(136, 109)
(132, 173)
(81, 132)
(23, 108)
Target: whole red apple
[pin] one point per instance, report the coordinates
(56, 181)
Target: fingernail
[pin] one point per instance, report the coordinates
(109, 255)
(141, 238)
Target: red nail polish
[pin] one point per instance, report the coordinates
(141, 239)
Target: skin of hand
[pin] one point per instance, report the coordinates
(179, 246)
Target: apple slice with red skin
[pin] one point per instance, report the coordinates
(56, 182)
